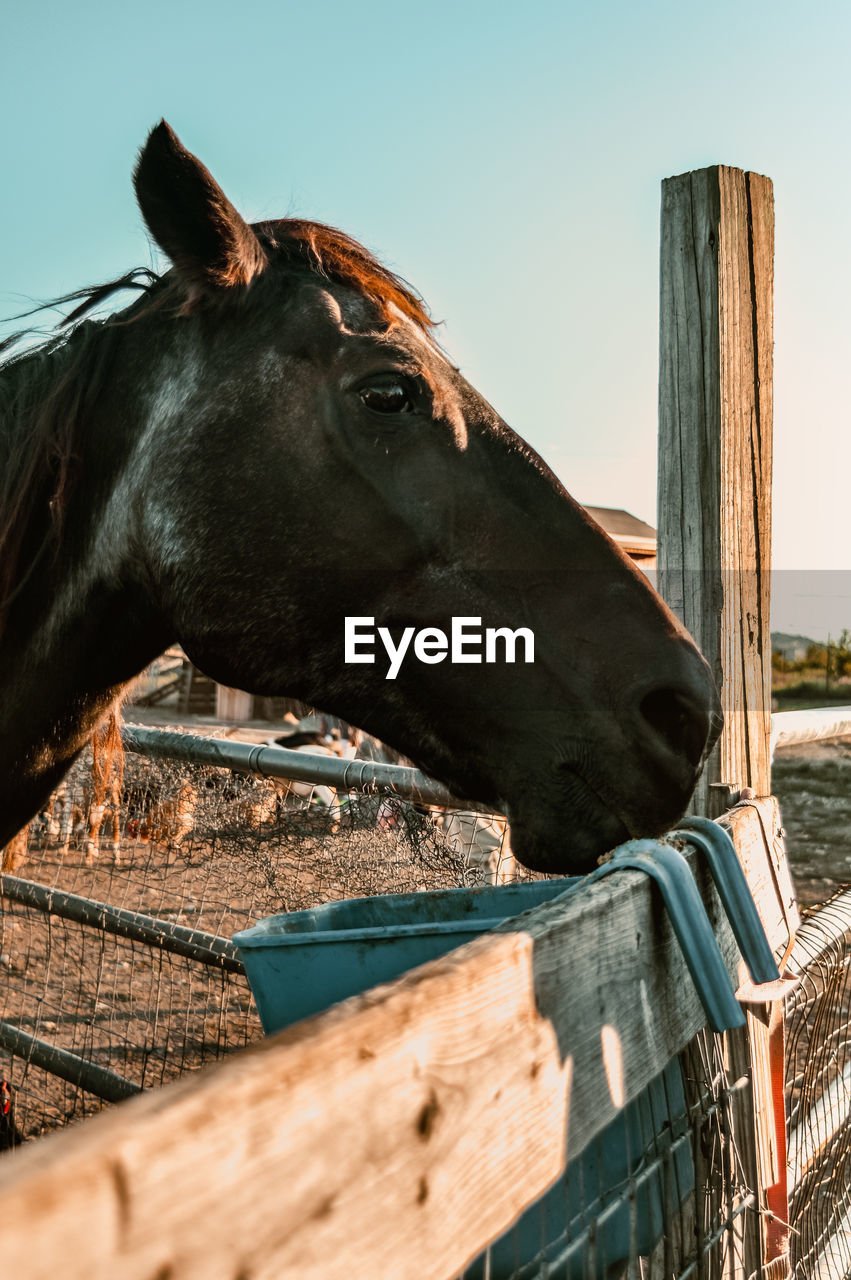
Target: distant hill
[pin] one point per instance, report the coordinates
(792, 648)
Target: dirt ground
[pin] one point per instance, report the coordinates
(813, 784)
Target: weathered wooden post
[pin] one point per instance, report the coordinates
(714, 558)
(715, 420)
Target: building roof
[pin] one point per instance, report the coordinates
(619, 523)
(635, 536)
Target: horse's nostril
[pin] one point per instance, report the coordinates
(683, 726)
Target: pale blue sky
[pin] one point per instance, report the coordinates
(507, 159)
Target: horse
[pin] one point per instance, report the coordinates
(159, 469)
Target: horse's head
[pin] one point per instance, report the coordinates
(311, 456)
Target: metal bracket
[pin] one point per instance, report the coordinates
(736, 898)
(715, 844)
(671, 872)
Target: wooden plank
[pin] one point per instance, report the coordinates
(819, 1126)
(817, 725)
(622, 1015)
(362, 1143)
(394, 1135)
(715, 417)
(233, 704)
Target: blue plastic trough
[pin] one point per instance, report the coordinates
(301, 962)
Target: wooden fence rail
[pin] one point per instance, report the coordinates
(794, 727)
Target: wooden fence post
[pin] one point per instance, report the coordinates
(714, 557)
(715, 419)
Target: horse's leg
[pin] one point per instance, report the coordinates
(48, 824)
(64, 825)
(269, 804)
(96, 816)
(328, 797)
(115, 842)
(115, 822)
(77, 825)
(160, 826)
(54, 817)
(185, 804)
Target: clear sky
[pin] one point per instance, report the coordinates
(504, 157)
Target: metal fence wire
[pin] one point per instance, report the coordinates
(661, 1194)
(818, 1091)
(191, 848)
(114, 928)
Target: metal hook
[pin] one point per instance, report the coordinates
(714, 842)
(667, 866)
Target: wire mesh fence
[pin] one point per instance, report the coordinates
(663, 1193)
(198, 847)
(818, 1090)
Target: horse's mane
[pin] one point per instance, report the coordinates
(45, 389)
(44, 393)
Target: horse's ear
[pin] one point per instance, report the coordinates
(191, 218)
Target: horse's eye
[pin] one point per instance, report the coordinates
(391, 397)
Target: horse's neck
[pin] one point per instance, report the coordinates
(81, 625)
(55, 686)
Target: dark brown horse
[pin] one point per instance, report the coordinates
(269, 441)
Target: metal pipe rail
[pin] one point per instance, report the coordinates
(296, 766)
(66, 1065)
(165, 935)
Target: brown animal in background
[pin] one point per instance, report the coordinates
(166, 821)
(107, 808)
(65, 822)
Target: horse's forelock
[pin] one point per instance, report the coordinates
(331, 253)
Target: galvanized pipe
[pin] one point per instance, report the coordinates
(297, 766)
(165, 935)
(68, 1066)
